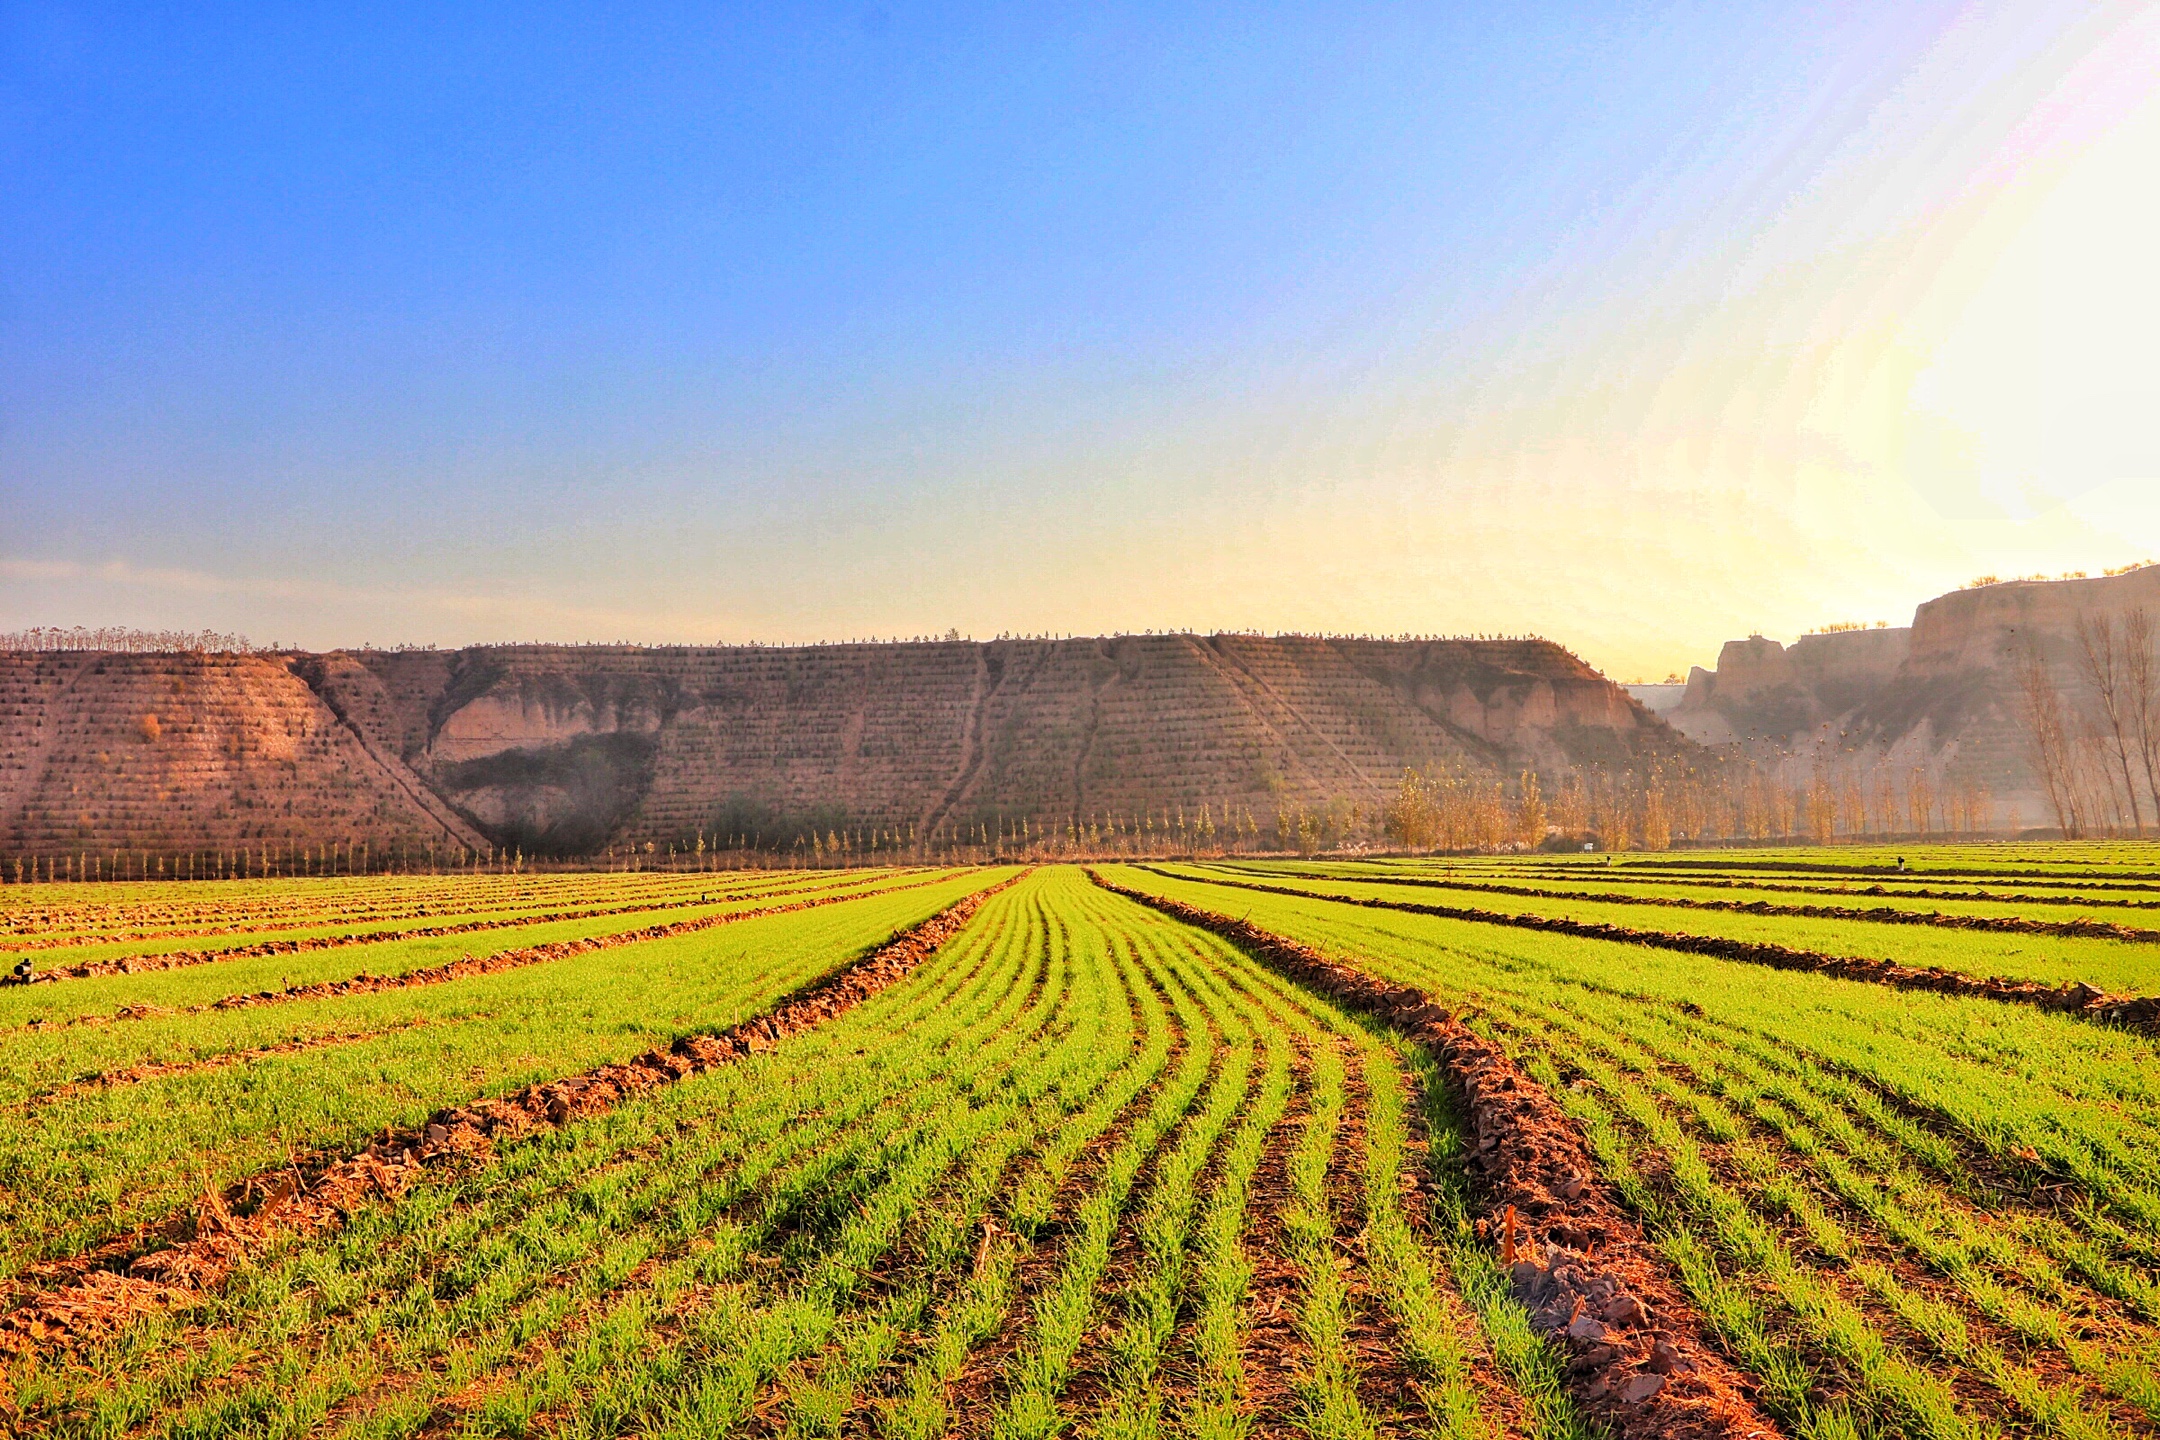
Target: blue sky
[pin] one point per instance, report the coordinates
(1634, 326)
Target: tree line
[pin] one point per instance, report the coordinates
(127, 640)
(2096, 749)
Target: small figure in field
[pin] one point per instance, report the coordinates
(1901, 862)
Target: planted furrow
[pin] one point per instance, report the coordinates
(957, 1358)
(1035, 1377)
(1857, 1312)
(1874, 914)
(177, 959)
(1115, 1375)
(1415, 1347)
(638, 1202)
(2084, 1001)
(1575, 1256)
(723, 1363)
(1945, 1281)
(472, 966)
(161, 1070)
(180, 959)
(91, 1292)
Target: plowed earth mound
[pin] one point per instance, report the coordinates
(96, 1292)
(1638, 1362)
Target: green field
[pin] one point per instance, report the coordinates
(1086, 1169)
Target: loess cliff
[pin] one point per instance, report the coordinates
(567, 750)
(1940, 696)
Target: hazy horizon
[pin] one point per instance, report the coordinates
(1638, 331)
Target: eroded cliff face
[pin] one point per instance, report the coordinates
(565, 750)
(1760, 689)
(1940, 696)
(190, 754)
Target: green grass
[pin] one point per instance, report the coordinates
(1089, 1172)
(1865, 1190)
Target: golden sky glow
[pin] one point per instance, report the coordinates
(1852, 339)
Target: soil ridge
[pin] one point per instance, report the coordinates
(1585, 1269)
(2078, 998)
(112, 1282)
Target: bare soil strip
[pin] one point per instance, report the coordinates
(1273, 1350)
(99, 1289)
(1874, 914)
(471, 965)
(179, 959)
(1580, 1263)
(2087, 1002)
(972, 1395)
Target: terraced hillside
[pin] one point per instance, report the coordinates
(570, 750)
(171, 754)
(1121, 1152)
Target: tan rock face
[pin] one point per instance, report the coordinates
(243, 754)
(570, 748)
(1940, 696)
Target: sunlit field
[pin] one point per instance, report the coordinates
(1544, 1145)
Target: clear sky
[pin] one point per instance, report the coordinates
(1636, 326)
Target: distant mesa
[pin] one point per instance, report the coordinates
(566, 751)
(1941, 697)
(573, 750)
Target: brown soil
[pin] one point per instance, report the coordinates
(973, 1394)
(1178, 1378)
(1092, 1378)
(1386, 1385)
(1640, 1364)
(1274, 1351)
(2085, 1001)
(1498, 1398)
(96, 1291)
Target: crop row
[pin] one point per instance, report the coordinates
(1086, 1169)
(86, 1165)
(228, 909)
(139, 956)
(1976, 964)
(1903, 1213)
(1967, 909)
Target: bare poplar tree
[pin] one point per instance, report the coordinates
(2105, 672)
(2040, 707)
(2141, 675)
